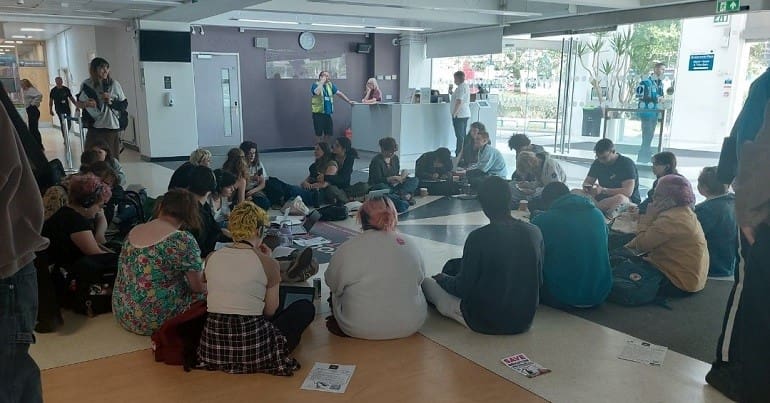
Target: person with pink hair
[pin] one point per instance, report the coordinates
(670, 241)
(375, 279)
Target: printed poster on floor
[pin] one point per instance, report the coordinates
(643, 352)
(523, 365)
(327, 377)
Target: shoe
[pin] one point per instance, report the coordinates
(303, 267)
(725, 378)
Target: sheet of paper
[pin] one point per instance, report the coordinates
(327, 377)
(643, 352)
(311, 241)
(523, 365)
(293, 220)
(282, 251)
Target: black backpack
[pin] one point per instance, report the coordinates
(333, 213)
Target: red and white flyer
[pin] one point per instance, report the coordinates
(523, 365)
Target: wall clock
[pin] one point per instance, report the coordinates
(307, 40)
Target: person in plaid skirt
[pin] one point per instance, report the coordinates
(242, 333)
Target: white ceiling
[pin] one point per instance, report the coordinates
(428, 15)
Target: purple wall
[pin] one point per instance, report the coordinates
(276, 113)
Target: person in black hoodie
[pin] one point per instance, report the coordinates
(717, 218)
(493, 288)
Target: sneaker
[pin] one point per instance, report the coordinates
(302, 268)
(725, 378)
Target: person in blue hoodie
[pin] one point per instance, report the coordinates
(717, 218)
(576, 266)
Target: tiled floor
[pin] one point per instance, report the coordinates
(581, 353)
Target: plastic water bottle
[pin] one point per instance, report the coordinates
(285, 231)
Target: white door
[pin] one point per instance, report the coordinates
(217, 99)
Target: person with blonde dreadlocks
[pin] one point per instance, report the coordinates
(243, 333)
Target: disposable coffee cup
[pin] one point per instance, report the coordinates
(423, 192)
(524, 205)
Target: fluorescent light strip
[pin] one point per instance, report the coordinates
(318, 24)
(267, 21)
(94, 11)
(401, 29)
(21, 37)
(7, 46)
(32, 30)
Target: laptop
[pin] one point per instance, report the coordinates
(310, 220)
(377, 193)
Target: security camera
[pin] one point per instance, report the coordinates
(395, 42)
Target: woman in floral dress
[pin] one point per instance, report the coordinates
(160, 269)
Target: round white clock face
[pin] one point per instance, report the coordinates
(307, 40)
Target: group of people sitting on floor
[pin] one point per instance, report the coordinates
(565, 257)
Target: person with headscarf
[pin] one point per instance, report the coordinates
(672, 239)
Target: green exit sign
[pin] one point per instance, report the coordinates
(728, 6)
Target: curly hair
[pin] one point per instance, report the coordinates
(236, 163)
(86, 190)
(378, 213)
(246, 221)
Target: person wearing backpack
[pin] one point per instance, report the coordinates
(671, 257)
(104, 104)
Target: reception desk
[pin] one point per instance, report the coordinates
(417, 128)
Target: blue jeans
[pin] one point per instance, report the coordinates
(19, 374)
(648, 134)
(459, 125)
(409, 185)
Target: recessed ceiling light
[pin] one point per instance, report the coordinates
(32, 30)
(7, 46)
(267, 21)
(402, 29)
(319, 24)
(21, 36)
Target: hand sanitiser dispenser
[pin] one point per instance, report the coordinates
(168, 98)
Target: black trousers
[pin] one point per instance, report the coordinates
(33, 119)
(293, 320)
(754, 322)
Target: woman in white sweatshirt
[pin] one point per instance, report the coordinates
(375, 279)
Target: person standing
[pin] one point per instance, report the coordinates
(322, 105)
(460, 108)
(58, 100)
(32, 99)
(103, 99)
(649, 93)
(21, 209)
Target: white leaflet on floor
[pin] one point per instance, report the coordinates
(282, 251)
(643, 352)
(523, 365)
(305, 243)
(326, 377)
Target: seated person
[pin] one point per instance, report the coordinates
(375, 279)
(181, 176)
(469, 154)
(159, 272)
(208, 232)
(77, 229)
(493, 288)
(520, 142)
(490, 162)
(434, 165)
(717, 218)
(576, 267)
(663, 163)
(279, 192)
(247, 187)
(612, 181)
(672, 239)
(344, 155)
(542, 169)
(104, 153)
(56, 197)
(219, 199)
(242, 333)
(385, 171)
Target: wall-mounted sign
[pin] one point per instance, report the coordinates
(721, 19)
(701, 62)
(728, 6)
(167, 82)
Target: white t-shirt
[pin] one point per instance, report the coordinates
(375, 280)
(104, 116)
(463, 93)
(236, 282)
